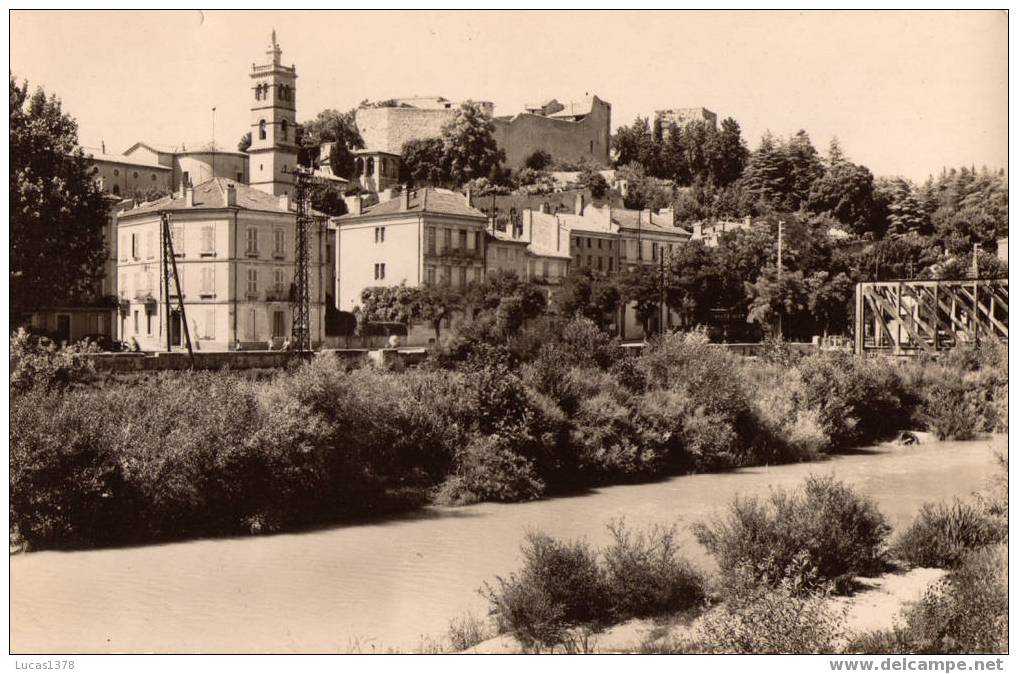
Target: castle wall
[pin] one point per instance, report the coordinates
(563, 139)
(387, 129)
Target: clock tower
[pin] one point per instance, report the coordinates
(273, 151)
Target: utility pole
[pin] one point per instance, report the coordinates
(664, 309)
(781, 236)
(170, 266)
(304, 182)
(213, 141)
(975, 291)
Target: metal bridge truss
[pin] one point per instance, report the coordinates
(913, 317)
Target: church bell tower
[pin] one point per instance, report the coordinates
(273, 151)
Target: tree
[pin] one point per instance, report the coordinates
(469, 149)
(696, 282)
(387, 304)
(846, 192)
(589, 294)
(804, 168)
(327, 198)
(435, 303)
(766, 178)
(642, 288)
(498, 285)
(538, 161)
(422, 162)
(729, 156)
(635, 144)
(827, 298)
(57, 210)
(244, 143)
(338, 128)
(905, 213)
(777, 297)
(594, 182)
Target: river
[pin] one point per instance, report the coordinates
(385, 584)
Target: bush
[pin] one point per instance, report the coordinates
(560, 586)
(967, 613)
(951, 410)
(858, 400)
(771, 620)
(539, 160)
(36, 362)
(943, 534)
(467, 631)
(644, 574)
(823, 527)
(489, 469)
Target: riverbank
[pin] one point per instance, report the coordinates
(216, 454)
(876, 605)
(373, 586)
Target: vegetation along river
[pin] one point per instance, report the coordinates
(386, 583)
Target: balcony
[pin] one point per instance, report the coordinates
(456, 254)
(277, 295)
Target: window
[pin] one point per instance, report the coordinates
(135, 175)
(261, 129)
(544, 268)
(446, 274)
(577, 242)
(278, 323)
(610, 245)
(135, 253)
(210, 324)
(208, 240)
(477, 240)
(447, 239)
(431, 240)
(592, 147)
(284, 128)
(252, 281)
(136, 323)
(279, 243)
(590, 244)
(150, 244)
(148, 323)
(116, 172)
(599, 244)
(252, 325)
(240, 176)
(116, 190)
(177, 240)
(252, 241)
(600, 262)
(463, 276)
(208, 282)
(279, 281)
(153, 177)
(379, 234)
(653, 251)
(463, 239)
(379, 271)
(429, 275)
(611, 264)
(187, 178)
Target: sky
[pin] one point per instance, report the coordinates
(906, 93)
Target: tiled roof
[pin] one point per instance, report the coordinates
(212, 194)
(124, 159)
(631, 219)
(429, 200)
(541, 251)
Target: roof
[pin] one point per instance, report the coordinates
(505, 237)
(122, 159)
(212, 194)
(425, 200)
(154, 147)
(575, 108)
(541, 251)
(631, 219)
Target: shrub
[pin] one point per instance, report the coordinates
(771, 620)
(966, 613)
(488, 469)
(950, 410)
(858, 400)
(824, 524)
(644, 574)
(538, 160)
(36, 362)
(560, 586)
(943, 534)
(467, 631)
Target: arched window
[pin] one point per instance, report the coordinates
(370, 170)
(284, 127)
(135, 175)
(116, 172)
(261, 130)
(153, 177)
(358, 165)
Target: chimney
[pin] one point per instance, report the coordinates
(404, 200)
(543, 208)
(188, 196)
(645, 216)
(528, 226)
(284, 201)
(668, 214)
(578, 204)
(748, 220)
(470, 198)
(385, 195)
(231, 194)
(697, 230)
(354, 204)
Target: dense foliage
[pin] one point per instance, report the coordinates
(57, 208)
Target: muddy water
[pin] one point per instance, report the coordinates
(385, 584)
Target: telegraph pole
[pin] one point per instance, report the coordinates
(304, 182)
(664, 309)
(781, 236)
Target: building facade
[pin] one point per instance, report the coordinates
(233, 247)
(680, 117)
